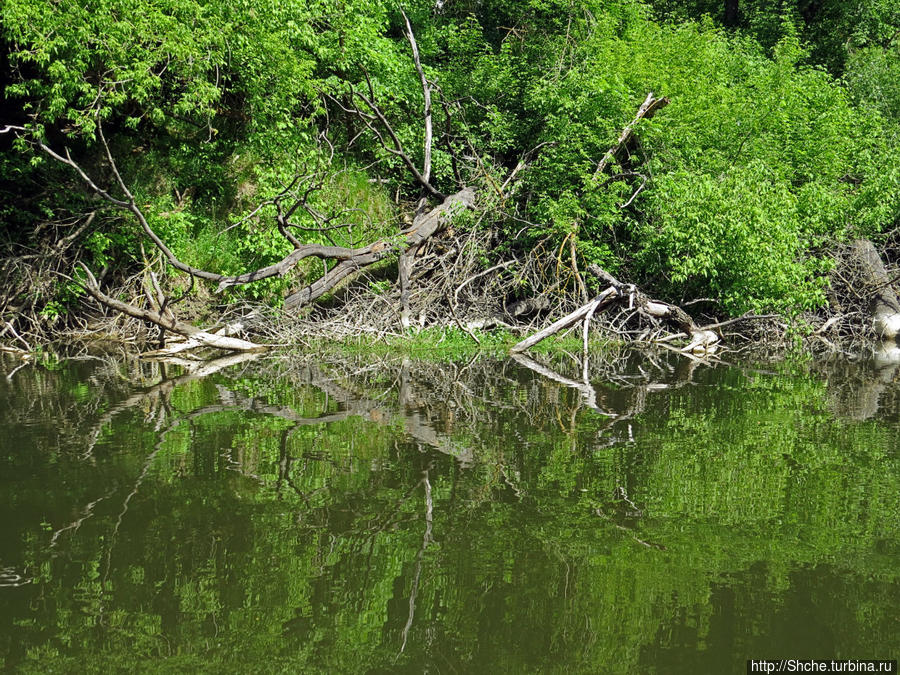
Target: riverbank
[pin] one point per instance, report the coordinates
(462, 313)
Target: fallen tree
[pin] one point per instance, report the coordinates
(165, 319)
(408, 244)
(348, 260)
(883, 306)
(702, 340)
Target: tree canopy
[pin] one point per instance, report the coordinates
(779, 142)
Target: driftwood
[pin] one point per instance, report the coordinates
(183, 343)
(702, 340)
(876, 284)
(600, 302)
(167, 321)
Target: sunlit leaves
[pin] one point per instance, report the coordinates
(736, 190)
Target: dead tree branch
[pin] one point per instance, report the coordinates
(426, 93)
(351, 261)
(168, 321)
(604, 299)
(628, 294)
(648, 109)
(395, 147)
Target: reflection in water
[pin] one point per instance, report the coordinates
(644, 512)
(862, 388)
(9, 577)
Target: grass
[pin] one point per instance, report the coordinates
(453, 344)
(441, 344)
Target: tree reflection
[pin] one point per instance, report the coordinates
(646, 512)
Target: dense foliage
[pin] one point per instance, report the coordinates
(779, 142)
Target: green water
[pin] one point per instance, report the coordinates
(486, 516)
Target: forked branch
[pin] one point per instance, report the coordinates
(395, 147)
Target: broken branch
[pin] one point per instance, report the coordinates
(168, 321)
(647, 110)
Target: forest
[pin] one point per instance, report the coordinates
(271, 170)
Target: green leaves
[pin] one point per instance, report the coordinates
(736, 189)
(737, 235)
(87, 60)
(160, 61)
(733, 191)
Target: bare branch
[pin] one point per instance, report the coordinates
(648, 108)
(397, 148)
(352, 260)
(600, 301)
(127, 205)
(426, 93)
(167, 320)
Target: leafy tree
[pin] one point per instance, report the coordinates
(834, 29)
(738, 189)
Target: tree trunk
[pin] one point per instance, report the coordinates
(883, 304)
(732, 12)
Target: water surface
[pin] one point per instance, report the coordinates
(387, 515)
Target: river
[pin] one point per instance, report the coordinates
(649, 514)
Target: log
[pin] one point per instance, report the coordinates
(193, 342)
(200, 337)
(883, 304)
